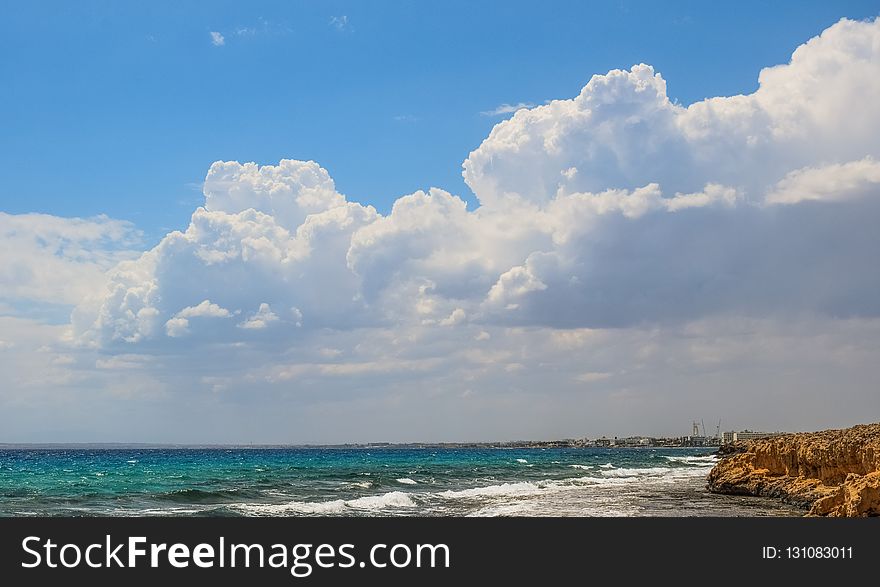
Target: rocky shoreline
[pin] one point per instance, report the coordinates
(829, 473)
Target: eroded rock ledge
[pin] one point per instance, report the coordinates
(833, 472)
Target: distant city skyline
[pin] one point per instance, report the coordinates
(297, 223)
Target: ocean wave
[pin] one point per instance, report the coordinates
(406, 481)
(607, 466)
(336, 506)
(393, 499)
(694, 460)
(521, 461)
(501, 490)
(584, 467)
(636, 472)
(361, 484)
(159, 512)
(372, 503)
(276, 493)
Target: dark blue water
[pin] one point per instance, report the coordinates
(365, 481)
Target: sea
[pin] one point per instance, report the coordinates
(367, 481)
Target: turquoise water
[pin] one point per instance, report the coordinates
(365, 481)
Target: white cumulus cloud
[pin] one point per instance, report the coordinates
(260, 319)
(829, 182)
(178, 325)
(613, 208)
(623, 244)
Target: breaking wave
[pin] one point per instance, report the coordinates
(373, 503)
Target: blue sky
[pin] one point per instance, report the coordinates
(678, 224)
(118, 108)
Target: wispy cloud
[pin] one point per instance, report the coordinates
(507, 108)
(245, 31)
(405, 118)
(340, 23)
(262, 27)
(217, 39)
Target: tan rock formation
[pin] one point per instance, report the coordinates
(833, 472)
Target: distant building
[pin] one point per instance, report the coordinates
(728, 437)
(697, 441)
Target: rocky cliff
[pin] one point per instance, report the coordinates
(833, 472)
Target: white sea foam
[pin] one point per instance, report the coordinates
(361, 484)
(581, 481)
(160, 512)
(637, 472)
(704, 460)
(652, 474)
(337, 506)
(394, 499)
(521, 461)
(502, 490)
(132, 461)
(584, 467)
(607, 466)
(406, 481)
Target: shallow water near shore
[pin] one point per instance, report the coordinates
(390, 481)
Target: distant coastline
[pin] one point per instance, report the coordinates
(513, 444)
(694, 440)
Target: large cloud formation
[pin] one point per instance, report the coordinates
(614, 208)
(633, 263)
